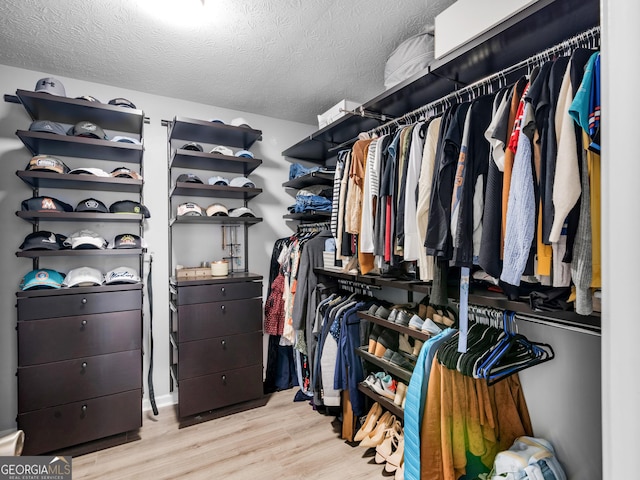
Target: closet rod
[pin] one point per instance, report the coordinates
(589, 38)
(306, 227)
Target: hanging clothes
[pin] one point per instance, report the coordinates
(412, 244)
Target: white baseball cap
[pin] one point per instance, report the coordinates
(123, 139)
(189, 208)
(218, 180)
(222, 150)
(98, 172)
(241, 182)
(83, 277)
(121, 275)
(241, 212)
(217, 209)
(240, 122)
(85, 239)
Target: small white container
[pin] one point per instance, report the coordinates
(220, 268)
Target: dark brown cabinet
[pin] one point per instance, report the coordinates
(79, 375)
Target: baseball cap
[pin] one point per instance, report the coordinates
(47, 126)
(127, 240)
(87, 129)
(222, 150)
(121, 275)
(83, 277)
(42, 278)
(43, 240)
(129, 206)
(45, 204)
(85, 240)
(88, 98)
(241, 182)
(47, 162)
(98, 172)
(217, 210)
(241, 212)
(240, 122)
(217, 180)
(121, 102)
(244, 154)
(125, 172)
(123, 139)
(216, 120)
(196, 147)
(190, 209)
(189, 178)
(91, 205)
(51, 85)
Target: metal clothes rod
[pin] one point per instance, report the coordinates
(308, 227)
(589, 38)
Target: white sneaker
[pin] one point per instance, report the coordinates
(386, 387)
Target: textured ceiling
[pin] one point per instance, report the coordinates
(290, 59)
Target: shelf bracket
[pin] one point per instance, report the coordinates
(11, 98)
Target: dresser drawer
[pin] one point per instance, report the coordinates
(57, 383)
(218, 292)
(65, 338)
(206, 320)
(218, 390)
(81, 304)
(202, 357)
(66, 425)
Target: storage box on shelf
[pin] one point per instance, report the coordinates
(216, 327)
(80, 348)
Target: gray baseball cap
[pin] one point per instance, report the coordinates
(51, 85)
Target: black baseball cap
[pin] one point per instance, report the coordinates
(126, 240)
(189, 178)
(43, 240)
(45, 204)
(196, 147)
(121, 102)
(47, 162)
(91, 205)
(87, 129)
(47, 127)
(129, 206)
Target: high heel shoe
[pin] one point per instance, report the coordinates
(390, 442)
(399, 472)
(397, 457)
(376, 437)
(370, 422)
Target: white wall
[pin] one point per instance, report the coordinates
(277, 135)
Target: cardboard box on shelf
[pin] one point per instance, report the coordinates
(336, 112)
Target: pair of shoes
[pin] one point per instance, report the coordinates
(388, 339)
(416, 322)
(402, 318)
(382, 312)
(397, 457)
(429, 326)
(376, 436)
(445, 316)
(401, 361)
(385, 387)
(390, 442)
(404, 344)
(399, 472)
(416, 348)
(371, 378)
(373, 338)
(401, 393)
(369, 423)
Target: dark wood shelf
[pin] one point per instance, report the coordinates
(80, 252)
(80, 216)
(376, 280)
(383, 401)
(312, 216)
(75, 290)
(388, 367)
(218, 191)
(533, 29)
(313, 178)
(202, 131)
(232, 277)
(219, 220)
(44, 179)
(66, 145)
(394, 326)
(213, 162)
(43, 106)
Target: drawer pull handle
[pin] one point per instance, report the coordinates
(84, 323)
(84, 409)
(222, 307)
(224, 379)
(84, 301)
(84, 365)
(222, 290)
(224, 344)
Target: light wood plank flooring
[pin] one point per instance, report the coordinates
(282, 440)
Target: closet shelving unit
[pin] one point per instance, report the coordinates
(89, 376)
(216, 322)
(533, 29)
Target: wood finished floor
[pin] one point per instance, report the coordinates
(282, 440)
